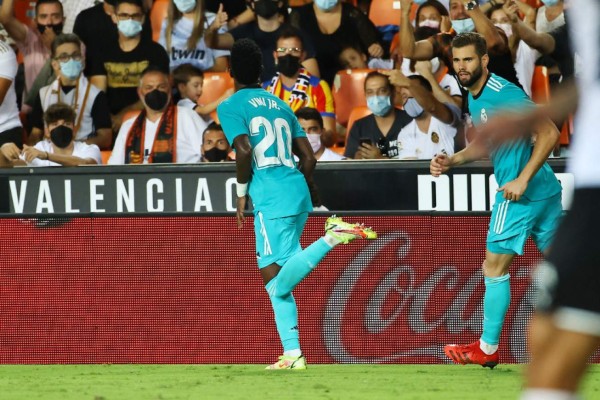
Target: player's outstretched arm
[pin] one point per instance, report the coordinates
(243, 163)
(306, 165)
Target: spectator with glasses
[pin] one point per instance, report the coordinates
(92, 122)
(118, 65)
(95, 26)
(264, 31)
(34, 41)
(295, 85)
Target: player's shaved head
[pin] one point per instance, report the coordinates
(246, 62)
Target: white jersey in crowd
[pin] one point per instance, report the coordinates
(416, 144)
(330, 155)
(9, 112)
(201, 57)
(189, 138)
(80, 149)
(543, 25)
(585, 36)
(187, 103)
(81, 99)
(525, 65)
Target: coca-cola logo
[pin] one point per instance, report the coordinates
(378, 313)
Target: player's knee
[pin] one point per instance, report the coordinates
(493, 269)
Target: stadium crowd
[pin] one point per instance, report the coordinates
(144, 77)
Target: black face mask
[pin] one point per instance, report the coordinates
(288, 65)
(156, 100)
(215, 154)
(56, 28)
(266, 8)
(61, 136)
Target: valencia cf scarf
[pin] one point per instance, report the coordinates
(165, 141)
(298, 96)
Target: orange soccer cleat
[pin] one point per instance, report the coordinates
(471, 354)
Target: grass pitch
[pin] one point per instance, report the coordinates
(249, 382)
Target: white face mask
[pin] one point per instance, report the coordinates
(430, 23)
(405, 67)
(507, 28)
(315, 141)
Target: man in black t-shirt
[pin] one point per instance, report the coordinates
(95, 26)
(264, 31)
(117, 65)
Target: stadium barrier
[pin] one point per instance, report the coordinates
(186, 289)
(146, 265)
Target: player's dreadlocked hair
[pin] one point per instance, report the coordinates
(246, 62)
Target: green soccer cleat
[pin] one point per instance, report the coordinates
(289, 362)
(346, 232)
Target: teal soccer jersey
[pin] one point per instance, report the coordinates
(509, 160)
(277, 187)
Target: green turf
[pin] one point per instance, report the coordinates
(249, 382)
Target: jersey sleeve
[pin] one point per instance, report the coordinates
(232, 121)
(8, 63)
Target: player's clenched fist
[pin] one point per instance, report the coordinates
(439, 164)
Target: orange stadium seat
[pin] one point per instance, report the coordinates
(540, 85)
(158, 14)
(387, 12)
(356, 114)
(105, 156)
(348, 92)
(215, 84)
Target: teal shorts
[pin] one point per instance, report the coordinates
(513, 222)
(277, 239)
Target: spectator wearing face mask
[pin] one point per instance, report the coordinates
(434, 124)
(215, 147)
(92, 116)
(34, 42)
(162, 132)
(465, 16)
(182, 34)
(264, 31)
(432, 14)
(95, 27)
(523, 55)
(58, 147)
(550, 16)
(294, 84)
(331, 24)
(375, 136)
(117, 66)
(311, 121)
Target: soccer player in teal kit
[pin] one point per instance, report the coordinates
(528, 202)
(265, 135)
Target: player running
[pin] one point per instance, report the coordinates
(266, 134)
(528, 202)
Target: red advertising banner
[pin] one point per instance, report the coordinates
(187, 290)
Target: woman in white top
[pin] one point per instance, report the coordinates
(550, 16)
(182, 35)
